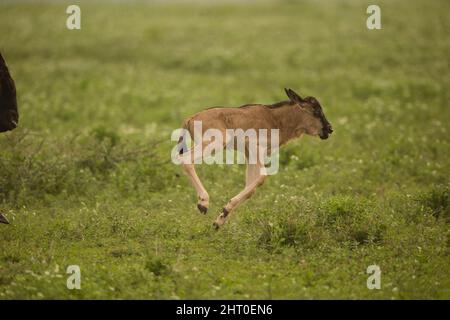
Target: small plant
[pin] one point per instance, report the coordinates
(294, 227)
(350, 219)
(302, 159)
(437, 201)
(157, 266)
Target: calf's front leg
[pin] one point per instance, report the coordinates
(256, 176)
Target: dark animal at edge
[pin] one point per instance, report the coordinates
(9, 114)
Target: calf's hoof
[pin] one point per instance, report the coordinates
(202, 208)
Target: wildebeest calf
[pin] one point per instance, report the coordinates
(292, 118)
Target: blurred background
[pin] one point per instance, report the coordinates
(86, 179)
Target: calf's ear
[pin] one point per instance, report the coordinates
(294, 97)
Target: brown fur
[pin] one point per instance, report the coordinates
(9, 116)
(293, 118)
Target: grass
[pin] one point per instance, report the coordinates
(87, 179)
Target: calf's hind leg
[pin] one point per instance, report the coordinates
(187, 162)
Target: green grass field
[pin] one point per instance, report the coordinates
(87, 179)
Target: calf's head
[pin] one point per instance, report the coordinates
(9, 116)
(315, 122)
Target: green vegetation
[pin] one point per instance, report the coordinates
(87, 179)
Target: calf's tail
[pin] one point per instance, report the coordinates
(182, 141)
